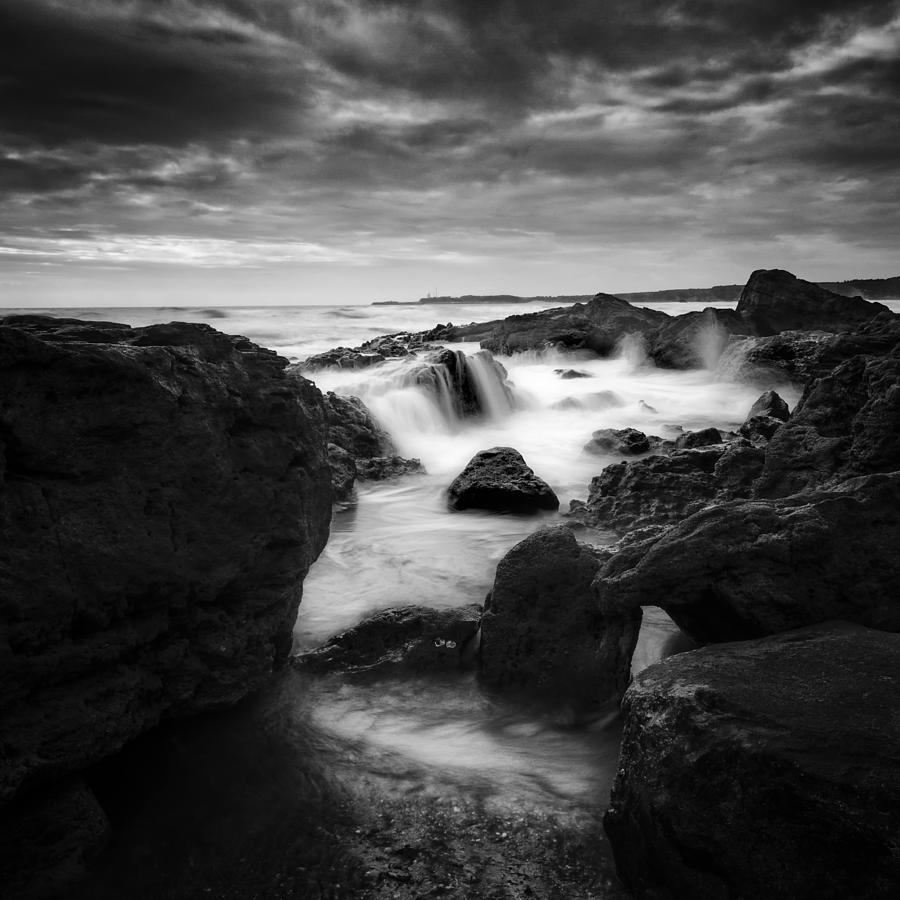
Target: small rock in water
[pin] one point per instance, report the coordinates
(499, 479)
(703, 438)
(572, 373)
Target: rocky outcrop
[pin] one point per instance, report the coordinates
(623, 441)
(406, 640)
(163, 492)
(846, 424)
(500, 480)
(542, 633)
(694, 340)
(706, 437)
(771, 405)
(749, 568)
(767, 768)
(598, 325)
(666, 488)
(359, 448)
(343, 358)
(774, 301)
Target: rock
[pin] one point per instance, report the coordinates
(790, 357)
(774, 301)
(598, 326)
(626, 441)
(342, 358)
(408, 639)
(653, 490)
(767, 768)
(760, 429)
(499, 479)
(163, 494)
(706, 437)
(749, 568)
(359, 447)
(694, 340)
(845, 424)
(541, 632)
(568, 374)
(770, 404)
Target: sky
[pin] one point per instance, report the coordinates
(197, 152)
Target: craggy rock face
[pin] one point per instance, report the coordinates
(542, 632)
(696, 339)
(774, 300)
(163, 492)
(500, 480)
(749, 568)
(767, 768)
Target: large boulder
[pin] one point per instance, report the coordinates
(542, 632)
(774, 300)
(404, 640)
(768, 768)
(748, 568)
(499, 479)
(770, 404)
(598, 325)
(163, 492)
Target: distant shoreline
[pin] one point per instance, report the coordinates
(868, 288)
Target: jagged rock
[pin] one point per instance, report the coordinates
(790, 357)
(568, 374)
(598, 325)
(694, 340)
(767, 768)
(760, 429)
(342, 358)
(408, 639)
(541, 632)
(650, 491)
(847, 423)
(749, 568)
(163, 495)
(706, 437)
(359, 447)
(770, 404)
(499, 479)
(774, 301)
(626, 441)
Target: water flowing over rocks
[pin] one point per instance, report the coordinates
(163, 491)
(413, 640)
(499, 479)
(694, 340)
(767, 768)
(774, 301)
(542, 632)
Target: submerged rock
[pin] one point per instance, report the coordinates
(774, 301)
(763, 769)
(542, 632)
(499, 479)
(749, 568)
(163, 492)
(404, 640)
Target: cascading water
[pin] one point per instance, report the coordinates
(488, 377)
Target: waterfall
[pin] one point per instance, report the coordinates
(488, 378)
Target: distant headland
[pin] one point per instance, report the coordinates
(868, 288)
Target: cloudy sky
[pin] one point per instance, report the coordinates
(160, 152)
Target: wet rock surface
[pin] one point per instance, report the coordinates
(411, 640)
(624, 441)
(695, 340)
(766, 768)
(542, 633)
(163, 492)
(499, 479)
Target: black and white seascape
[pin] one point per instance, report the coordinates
(449, 449)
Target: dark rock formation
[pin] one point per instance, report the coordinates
(541, 631)
(163, 491)
(405, 640)
(770, 404)
(568, 374)
(359, 448)
(342, 358)
(654, 490)
(768, 768)
(626, 441)
(749, 568)
(760, 429)
(846, 424)
(499, 479)
(706, 437)
(774, 301)
(597, 325)
(694, 340)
